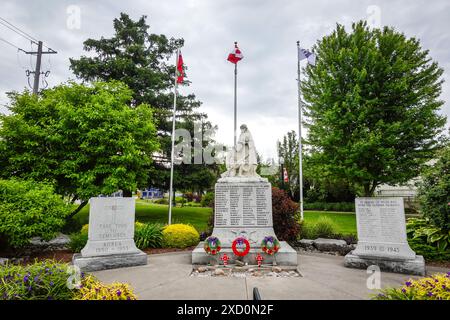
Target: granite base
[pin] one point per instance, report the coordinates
(413, 266)
(286, 256)
(109, 262)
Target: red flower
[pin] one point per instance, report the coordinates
(208, 249)
(269, 251)
(213, 252)
(218, 248)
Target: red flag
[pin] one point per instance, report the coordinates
(286, 177)
(235, 55)
(180, 73)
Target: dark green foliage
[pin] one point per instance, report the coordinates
(144, 61)
(208, 200)
(30, 209)
(78, 241)
(86, 140)
(285, 215)
(372, 106)
(434, 191)
(148, 235)
(324, 227)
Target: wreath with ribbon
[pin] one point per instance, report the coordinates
(239, 241)
(270, 245)
(212, 245)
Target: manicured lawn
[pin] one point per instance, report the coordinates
(345, 221)
(150, 212)
(198, 216)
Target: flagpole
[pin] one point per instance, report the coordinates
(300, 147)
(235, 100)
(173, 138)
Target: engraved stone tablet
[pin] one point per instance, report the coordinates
(382, 229)
(111, 227)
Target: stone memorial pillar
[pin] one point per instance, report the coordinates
(111, 236)
(382, 237)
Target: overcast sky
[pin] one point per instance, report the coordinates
(267, 32)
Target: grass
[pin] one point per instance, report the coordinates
(198, 216)
(345, 221)
(151, 212)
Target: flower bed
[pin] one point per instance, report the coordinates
(51, 280)
(436, 287)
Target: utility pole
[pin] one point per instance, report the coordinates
(37, 72)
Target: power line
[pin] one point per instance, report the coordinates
(17, 30)
(12, 45)
(20, 32)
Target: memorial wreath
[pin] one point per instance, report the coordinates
(270, 245)
(239, 241)
(212, 245)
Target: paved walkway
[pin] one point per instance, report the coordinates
(167, 276)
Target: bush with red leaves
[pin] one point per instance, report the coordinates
(284, 212)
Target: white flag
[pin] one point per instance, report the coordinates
(308, 55)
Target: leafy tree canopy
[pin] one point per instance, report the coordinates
(84, 139)
(372, 106)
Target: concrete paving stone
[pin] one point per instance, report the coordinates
(167, 276)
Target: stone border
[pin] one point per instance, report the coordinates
(245, 271)
(330, 246)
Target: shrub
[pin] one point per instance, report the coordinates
(30, 209)
(161, 201)
(284, 213)
(330, 206)
(148, 235)
(78, 241)
(189, 196)
(208, 200)
(436, 287)
(324, 227)
(145, 236)
(38, 281)
(434, 192)
(93, 289)
(47, 280)
(180, 236)
(428, 240)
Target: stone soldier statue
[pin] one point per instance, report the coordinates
(242, 161)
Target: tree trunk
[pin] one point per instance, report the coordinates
(78, 209)
(369, 188)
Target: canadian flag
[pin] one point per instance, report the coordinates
(285, 175)
(235, 55)
(180, 71)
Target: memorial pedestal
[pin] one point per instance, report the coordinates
(286, 256)
(382, 238)
(111, 236)
(243, 207)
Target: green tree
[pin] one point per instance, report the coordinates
(142, 61)
(434, 191)
(372, 106)
(84, 139)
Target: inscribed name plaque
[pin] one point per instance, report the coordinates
(382, 229)
(111, 227)
(243, 205)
